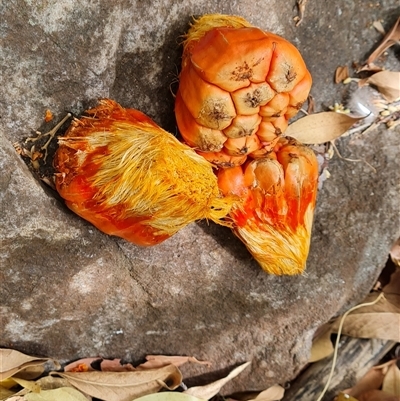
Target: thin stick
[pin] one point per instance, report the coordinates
(381, 295)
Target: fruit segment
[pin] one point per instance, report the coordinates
(278, 192)
(232, 74)
(120, 171)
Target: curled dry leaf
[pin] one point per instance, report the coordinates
(391, 38)
(124, 386)
(59, 394)
(391, 381)
(208, 391)
(341, 73)
(320, 127)
(13, 361)
(388, 84)
(158, 361)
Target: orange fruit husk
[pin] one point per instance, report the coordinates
(237, 81)
(120, 171)
(274, 219)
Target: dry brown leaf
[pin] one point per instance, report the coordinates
(391, 382)
(274, 393)
(158, 361)
(168, 396)
(31, 372)
(124, 386)
(373, 325)
(379, 27)
(392, 289)
(208, 391)
(372, 380)
(13, 361)
(380, 320)
(341, 73)
(320, 127)
(377, 395)
(59, 394)
(322, 346)
(5, 393)
(388, 84)
(391, 38)
(395, 253)
(99, 364)
(27, 384)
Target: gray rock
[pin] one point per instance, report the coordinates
(69, 291)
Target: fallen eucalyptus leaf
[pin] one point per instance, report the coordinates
(320, 127)
(209, 390)
(27, 384)
(51, 382)
(322, 346)
(59, 394)
(5, 393)
(390, 39)
(31, 372)
(380, 320)
(388, 84)
(13, 361)
(168, 396)
(158, 361)
(273, 393)
(373, 325)
(124, 386)
(372, 380)
(391, 381)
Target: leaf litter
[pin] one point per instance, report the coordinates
(106, 379)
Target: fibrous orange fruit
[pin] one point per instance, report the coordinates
(239, 86)
(120, 171)
(278, 193)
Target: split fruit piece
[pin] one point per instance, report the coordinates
(120, 171)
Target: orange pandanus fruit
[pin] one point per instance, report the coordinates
(120, 171)
(238, 87)
(278, 193)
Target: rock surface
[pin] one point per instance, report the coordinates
(69, 291)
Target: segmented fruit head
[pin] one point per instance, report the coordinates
(278, 195)
(119, 170)
(239, 86)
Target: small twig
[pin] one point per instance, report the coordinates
(301, 5)
(351, 160)
(50, 133)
